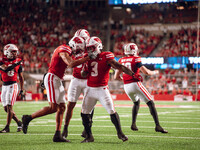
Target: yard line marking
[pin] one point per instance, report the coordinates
(105, 135)
(97, 126)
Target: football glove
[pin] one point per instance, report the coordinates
(137, 76)
(42, 84)
(22, 94)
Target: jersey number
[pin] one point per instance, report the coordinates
(94, 72)
(128, 65)
(11, 72)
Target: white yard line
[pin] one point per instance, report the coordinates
(105, 135)
(100, 126)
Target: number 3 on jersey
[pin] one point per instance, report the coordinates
(94, 66)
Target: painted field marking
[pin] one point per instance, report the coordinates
(105, 135)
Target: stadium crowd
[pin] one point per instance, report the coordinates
(38, 28)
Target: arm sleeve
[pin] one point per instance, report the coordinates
(20, 69)
(139, 64)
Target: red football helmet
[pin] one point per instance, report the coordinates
(130, 49)
(94, 46)
(9, 49)
(77, 44)
(82, 33)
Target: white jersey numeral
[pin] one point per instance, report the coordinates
(128, 65)
(94, 72)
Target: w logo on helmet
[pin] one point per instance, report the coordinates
(77, 40)
(132, 47)
(98, 40)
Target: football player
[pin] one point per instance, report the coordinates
(83, 34)
(78, 83)
(61, 59)
(134, 87)
(97, 86)
(10, 68)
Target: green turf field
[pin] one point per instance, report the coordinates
(181, 119)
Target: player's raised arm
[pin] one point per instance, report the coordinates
(120, 67)
(70, 62)
(5, 68)
(146, 71)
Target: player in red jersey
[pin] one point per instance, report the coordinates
(61, 59)
(10, 68)
(97, 90)
(78, 83)
(134, 88)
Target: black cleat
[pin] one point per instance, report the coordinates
(160, 129)
(58, 138)
(25, 121)
(89, 139)
(5, 130)
(19, 128)
(134, 127)
(122, 137)
(65, 132)
(84, 134)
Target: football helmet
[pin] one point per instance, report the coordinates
(94, 46)
(82, 33)
(77, 44)
(130, 49)
(8, 49)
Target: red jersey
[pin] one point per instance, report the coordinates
(77, 69)
(57, 65)
(12, 74)
(99, 70)
(133, 63)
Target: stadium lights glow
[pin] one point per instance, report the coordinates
(128, 10)
(152, 60)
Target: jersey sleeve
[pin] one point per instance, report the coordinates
(138, 62)
(65, 48)
(20, 69)
(109, 56)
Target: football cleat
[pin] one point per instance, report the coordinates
(122, 137)
(160, 129)
(58, 138)
(25, 121)
(84, 134)
(5, 130)
(89, 139)
(134, 127)
(65, 132)
(19, 128)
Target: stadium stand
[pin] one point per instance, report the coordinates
(37, 27)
